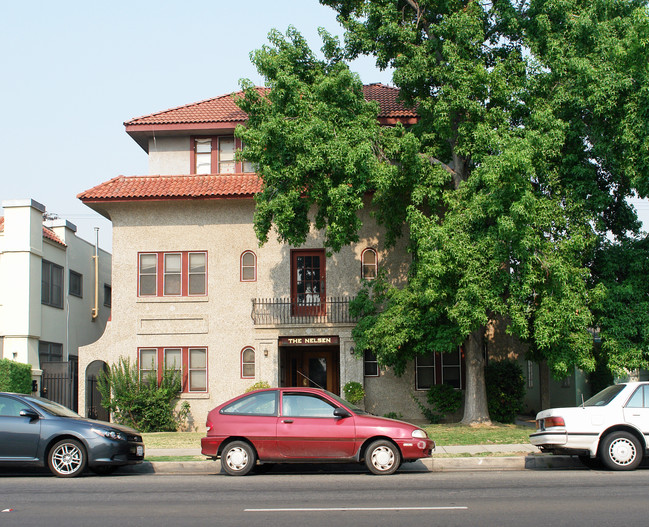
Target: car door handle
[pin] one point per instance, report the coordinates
(287, 421)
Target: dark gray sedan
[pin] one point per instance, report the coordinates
(35, 431)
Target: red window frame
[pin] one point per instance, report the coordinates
(438, 367)
(161, 272)
(160, 360)
(254, 266)
(238, 165)
(248, 348)
(375, 264)
(308, 309)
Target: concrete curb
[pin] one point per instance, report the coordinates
(452, 464)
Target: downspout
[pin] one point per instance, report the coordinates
(95, 309)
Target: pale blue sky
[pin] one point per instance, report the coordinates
(74, 71)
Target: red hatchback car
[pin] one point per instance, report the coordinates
(281, 425)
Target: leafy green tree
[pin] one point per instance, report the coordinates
(532, 134)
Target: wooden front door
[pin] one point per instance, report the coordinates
(312, 367)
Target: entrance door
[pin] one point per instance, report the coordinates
(308, 282)
(312, 367)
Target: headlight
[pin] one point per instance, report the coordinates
(110, 434)
(420, 434)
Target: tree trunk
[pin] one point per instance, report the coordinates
(544, 384)
(475, 401)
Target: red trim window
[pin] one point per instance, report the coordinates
(181, 273)
(248, 363)
(369, 264)
(191, 363)
(440, 368)
(216, 155)
(308, 282)
(248, 267)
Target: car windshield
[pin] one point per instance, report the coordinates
(347, 404)
(51, 407)
(605, 396)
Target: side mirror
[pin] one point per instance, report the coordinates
(29, 413)
(341, 412)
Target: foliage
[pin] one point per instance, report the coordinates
(354, 392)
(444, 400)
(15, 376)
(394, 415)
(505, 390)
(144, 404)
(259, 385)
(532, 134)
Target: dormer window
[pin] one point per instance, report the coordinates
(216, 155)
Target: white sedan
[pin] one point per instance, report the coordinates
(611, 427)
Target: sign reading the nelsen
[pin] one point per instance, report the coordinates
(308, 341)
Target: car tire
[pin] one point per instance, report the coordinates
(621, 451)
(238, 458)
(104, 470)
(67, 459)
(382, 457)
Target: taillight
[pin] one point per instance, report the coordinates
(208, 425)
(550, 422)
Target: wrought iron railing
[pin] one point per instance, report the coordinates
(288, 311)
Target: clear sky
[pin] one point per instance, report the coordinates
(74, 71)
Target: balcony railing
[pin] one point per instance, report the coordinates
(288, 311)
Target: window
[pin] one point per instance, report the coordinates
(172, 273)
(217, 155)
(370, 364)
(248, 267)
(50, 352)
(370, 264)
(308, 282)
(52, 284)
(108, 295)
(260, 403)
(299, 405)
(640, 398)
(190, 362)
(75, 287)
(439, 368)
(248, 363)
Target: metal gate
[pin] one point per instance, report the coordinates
(60, 383)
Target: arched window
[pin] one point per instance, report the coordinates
(248, 267)
(370, 264)
(248, 363)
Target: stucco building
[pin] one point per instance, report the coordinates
(48, 307)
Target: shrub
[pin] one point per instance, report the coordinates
(142, 403)
(393, 415)
(354, 392)
(505, 390)
(15, 376)
(443, 398)
(259, 385)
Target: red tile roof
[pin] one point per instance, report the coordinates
(174, 187)
(47, 233)
(223, 109)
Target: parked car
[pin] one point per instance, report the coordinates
(280, 425)
(35, 431)
(610, 427)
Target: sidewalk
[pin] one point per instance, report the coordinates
(522, 457)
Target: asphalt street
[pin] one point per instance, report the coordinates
(532, 497)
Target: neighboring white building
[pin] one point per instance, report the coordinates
(47, 294)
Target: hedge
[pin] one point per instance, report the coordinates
(15, 376)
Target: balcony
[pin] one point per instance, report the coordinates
(288, 311)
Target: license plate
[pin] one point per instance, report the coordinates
(140, 451)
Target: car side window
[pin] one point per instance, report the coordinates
(10, 407)
(300, 405)
(640, 398)
(262, 403)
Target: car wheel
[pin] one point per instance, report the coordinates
(238, 458)
(104, 470)
(67, 458)
(621, 451)
(382, 457)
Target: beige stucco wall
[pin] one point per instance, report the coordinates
(169, 156)
(220, 321)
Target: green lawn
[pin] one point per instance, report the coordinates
(444, 435)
